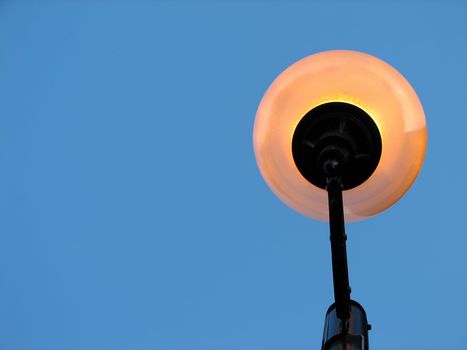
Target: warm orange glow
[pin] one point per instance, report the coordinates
(345, 76)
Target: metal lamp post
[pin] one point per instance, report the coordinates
(340, 136)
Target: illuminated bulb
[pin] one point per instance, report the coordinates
(354, 78)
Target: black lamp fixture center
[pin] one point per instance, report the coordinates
(336, 138)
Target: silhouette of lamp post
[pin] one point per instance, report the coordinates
(340, 136)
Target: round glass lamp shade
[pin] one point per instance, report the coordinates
(354, 78)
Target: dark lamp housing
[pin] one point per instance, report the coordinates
(336, 134)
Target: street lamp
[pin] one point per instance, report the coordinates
(340, 136)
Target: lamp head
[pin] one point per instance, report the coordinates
(340, 111)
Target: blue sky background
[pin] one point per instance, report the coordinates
(132, 213)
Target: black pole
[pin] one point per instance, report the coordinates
(346, 325)
(338, 248)
(337, 146)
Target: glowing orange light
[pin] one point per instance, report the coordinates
(341, 76)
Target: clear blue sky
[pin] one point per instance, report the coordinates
(132, 213)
